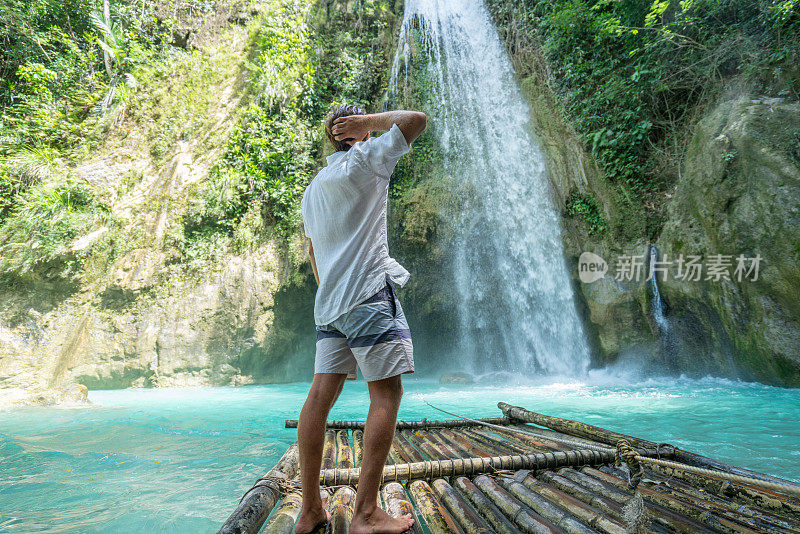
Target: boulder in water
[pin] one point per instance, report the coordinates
(455, 378)
(69, 394)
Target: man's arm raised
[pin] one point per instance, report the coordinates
(356, 127)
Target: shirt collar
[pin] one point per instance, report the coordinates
(336, 156)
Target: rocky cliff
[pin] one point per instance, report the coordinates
(735, 194)
(141, 321)
(739, 196)
(159, 292)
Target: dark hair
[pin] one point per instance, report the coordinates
(342, 111)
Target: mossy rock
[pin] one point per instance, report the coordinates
(740, 195)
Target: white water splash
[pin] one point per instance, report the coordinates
(516, 308)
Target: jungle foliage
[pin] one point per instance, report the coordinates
(60, 103)
(632, 75)
(310, 56)
(58, 97)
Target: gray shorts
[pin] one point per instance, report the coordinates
(373, 336)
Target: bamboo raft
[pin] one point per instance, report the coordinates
(527, 472)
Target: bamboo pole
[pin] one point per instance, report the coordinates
(697, 460)
(742, 493)
(444, 448)
(450, 444)
(555, 440)
(585, 513)
(408, 449)
(554, 513)
(748, 513)
(469, 447)
(674, 521)
(525, 440)
(525, 519)
(444, 445)
(358, 447)
(720, 523)
(341, 509)
(397, 503)
(484, 507)
(608, 506)
(258, 502)
(568, 426)
(490, 446)
(329, 450)
(424, 423)
(501, 442)
(436, 517)
(459, 510)
(396, 456)
(285, 516)
(595, 485)
(471, 466)
(544, 438)
(422, 445)
(344, 454)
(434, 447)
(403, 449)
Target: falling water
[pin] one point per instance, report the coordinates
(656, 303)
(515, 301)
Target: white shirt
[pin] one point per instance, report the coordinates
(344, 215)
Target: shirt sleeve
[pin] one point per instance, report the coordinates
(379, 155)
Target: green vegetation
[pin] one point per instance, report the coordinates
(309, 57)
(60, 100)
(54, 85)
(63, 103)
(632, 75)
(421, 189)
(267, 160)
(587, 208)
(45, 220)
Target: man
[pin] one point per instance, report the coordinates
(359, 319)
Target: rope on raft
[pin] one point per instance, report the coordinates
(629, 455)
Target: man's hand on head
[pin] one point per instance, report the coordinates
(355, 128)
(351, 129)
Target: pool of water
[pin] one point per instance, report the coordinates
(178, 460)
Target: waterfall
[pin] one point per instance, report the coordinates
(656, 303)
(516, 310)
(667, 342)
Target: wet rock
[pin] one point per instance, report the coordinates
(455, 378)
(66, 395)
(183, 38)
(740, 195)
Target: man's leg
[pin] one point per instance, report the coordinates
(324, 391)
(384, 398)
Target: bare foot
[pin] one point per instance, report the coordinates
(379, 522)
(309, 522)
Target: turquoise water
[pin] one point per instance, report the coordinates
(178, 460)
